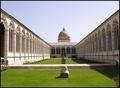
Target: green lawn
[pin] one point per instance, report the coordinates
(58, 61)
(48, 78)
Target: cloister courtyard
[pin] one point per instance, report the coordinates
(58, 61)
(97, 77)
(59, 44)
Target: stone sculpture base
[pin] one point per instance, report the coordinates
(64, 72)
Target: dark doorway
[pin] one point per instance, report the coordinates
(63, 53)
(2, 28)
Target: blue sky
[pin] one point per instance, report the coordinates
(47, 18)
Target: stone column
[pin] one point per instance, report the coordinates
(97, 43)
(6, 43)
(39, 50)
(106, 50)
(42, 51)
(55, 51)
(20, 45)
(107, 43)
(14, 43)
(113, 45)
(32, 49)
(102, 46)
(28, 48)
(35, 48)
(25, 47)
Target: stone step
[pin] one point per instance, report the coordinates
(58, 66)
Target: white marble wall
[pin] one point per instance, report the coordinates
(37, 51)
(87, 47)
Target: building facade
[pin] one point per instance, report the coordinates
(63, 44)
(102, 44)
(18, 43)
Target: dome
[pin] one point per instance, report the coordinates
(63, 36)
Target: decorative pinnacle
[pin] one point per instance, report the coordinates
(63, 29)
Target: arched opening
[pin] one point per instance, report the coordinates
(115, 31)
(99, 41)
(68, 50)
(2, 40)
(109, 34)
(23, 41)
(73, 50)
(63, 52)
(11, 39)
(27, 42)
(92, 43)
(52, 50)
(30, 44)
(18, 39)
(103, 40)
(96, 39)
(58, 50)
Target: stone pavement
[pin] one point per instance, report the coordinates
(58, 66)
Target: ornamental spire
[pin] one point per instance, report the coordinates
(63, 29)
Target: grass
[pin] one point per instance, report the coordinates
(58, 61)
(101, 77)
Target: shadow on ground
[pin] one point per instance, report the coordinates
(84, 61)
(111, 72)
(108, 71)
(60, 77)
